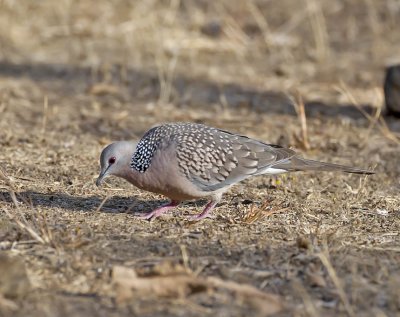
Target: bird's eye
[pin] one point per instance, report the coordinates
(111, 160)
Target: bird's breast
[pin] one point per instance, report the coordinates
(164, 177)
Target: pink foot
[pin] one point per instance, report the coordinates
(205, 213)
(160, 210)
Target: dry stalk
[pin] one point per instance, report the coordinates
(381, 124)
(233, 30)
(225, 106)
(361, 187)
(335, 279)
(319, 28)
(307, 300)
(374, 119)
(172, 11)
(45, 236)
(40, 222)
(22, 224)
(375, 26)
(301, 114)
(165, 75)
(373, 17)
(185, 257)
(3, 175)
(166, 66)
(261, 21)
(102, 203)
(386, 131)
(45, 114)
(257, 213)
(4, 100)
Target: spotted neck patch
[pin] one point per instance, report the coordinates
(145, 150)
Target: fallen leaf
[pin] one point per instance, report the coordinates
(127, 283)
(179, 283)
(101, 89)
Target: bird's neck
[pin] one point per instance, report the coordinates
(130, 174)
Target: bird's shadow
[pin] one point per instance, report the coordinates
(114, 204)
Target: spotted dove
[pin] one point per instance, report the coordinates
(186, 161)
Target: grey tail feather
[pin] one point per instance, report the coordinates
(302, 164)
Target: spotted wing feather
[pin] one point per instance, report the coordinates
(228, 158)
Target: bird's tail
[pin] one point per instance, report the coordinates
(301, 164)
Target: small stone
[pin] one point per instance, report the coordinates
(212, 29)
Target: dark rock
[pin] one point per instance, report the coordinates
(392, 90)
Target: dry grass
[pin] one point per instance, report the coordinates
(75, 75)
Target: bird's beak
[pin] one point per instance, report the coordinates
(99, 180)
(102, 175)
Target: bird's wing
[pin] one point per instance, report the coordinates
(226, 158)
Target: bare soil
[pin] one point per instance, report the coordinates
(76, 75)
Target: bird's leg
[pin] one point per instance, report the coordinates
(160, 210)
(210, 206)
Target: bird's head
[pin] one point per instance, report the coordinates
(115, 159)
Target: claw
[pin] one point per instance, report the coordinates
(206, 212)
(158, 211)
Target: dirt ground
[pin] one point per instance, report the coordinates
(76, 75)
